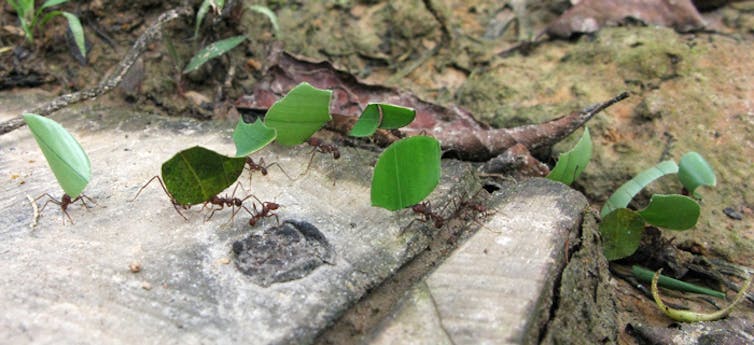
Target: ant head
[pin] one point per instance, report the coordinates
(66, 199)
(336, 154)
(252, 221)
(272, 205)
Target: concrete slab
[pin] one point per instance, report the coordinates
(498, 286)
(71, 283)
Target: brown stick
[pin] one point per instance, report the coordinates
(107, 83)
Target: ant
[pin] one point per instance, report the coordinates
(321, 147)
(265, 212)
(64, 202)
(175, 203)
(223, 202)
(259, 166)
(425, 209)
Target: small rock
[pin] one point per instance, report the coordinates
(134, 267)
(146, 286)
(732, 214)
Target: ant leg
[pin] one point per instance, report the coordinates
(311, 159)
(51, 200)
(82, 197)
(277, 220)
(212, 213)
(279, 167)
(147, 184)
(175, 206)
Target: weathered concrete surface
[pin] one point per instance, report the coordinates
(500, 285)
(72, 284)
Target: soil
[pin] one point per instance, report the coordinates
(689, 91)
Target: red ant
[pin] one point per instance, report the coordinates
(321, 147)
(254, 166)
(175, 203)
(223, 202)
(425, 209)
(265, 212)
(64, 202)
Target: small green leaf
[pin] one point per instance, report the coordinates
(406, 172)
(212, 51)
(673, 212)
(50, 3)
(572, 163)
(270, 15)
(200, 13)
(621, 233)
(299, 114)
(197, 174)
(64, 154)
(394, 116)
(623, 195)
(368, 122)
(251, 137)
(78, 32)
(646, 275)
(694, 171)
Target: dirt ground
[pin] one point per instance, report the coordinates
(689, 91)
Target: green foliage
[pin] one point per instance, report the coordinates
(673, 212)
(30, 19)
(623, 195)
(299, 114)
(212, 51)
(621, 233)
(64, 154)
(694, 171)
(385, 116)
(252, 137)
(270, 15)
(645, 275)
(572, 163)
(217, 7)
(197, 174)
(406, 173)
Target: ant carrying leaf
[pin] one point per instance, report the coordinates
(196, 175)
(66, 158)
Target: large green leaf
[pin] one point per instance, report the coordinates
(212, 51)
(64, 154)
(674, 212)
(299, 114)
(406, 172)
(621, 233)
(197, 174)
(694, 171)
(572, 163)
(385, 116)
(623, 195)
(251, 137)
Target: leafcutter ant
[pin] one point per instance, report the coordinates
(260, 166)
(234, 203)
(319, 146)
(175, 203)
(64, 202)
(424, 209)
(264, 212)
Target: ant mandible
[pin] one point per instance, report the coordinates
(265, 212)
(175, 203)
(64, 202)
(321, 147)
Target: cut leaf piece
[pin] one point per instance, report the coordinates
(694, 171)
(674, 212)
(197, 174)
(646, 275)
(394, 116)
(78, 32)
(406, 172)
(572, 163)
(368, 122)
(299, 114)
(252, 137)
(621, 233)
(623, 195)
(212, 51)
(64, 154)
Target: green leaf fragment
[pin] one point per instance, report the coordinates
(385, 116)
(212, 51)
(368, 122)
(646, 275)
(270, 15)
(299, 114)
(64, 154)
(406, 173)
(673, 212)
(694, 171)
(252, 137)
(623, 195)
(572, 163)
(197, 174)
(78, 32)
(621, 233)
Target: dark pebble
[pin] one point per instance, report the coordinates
(732, 214)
